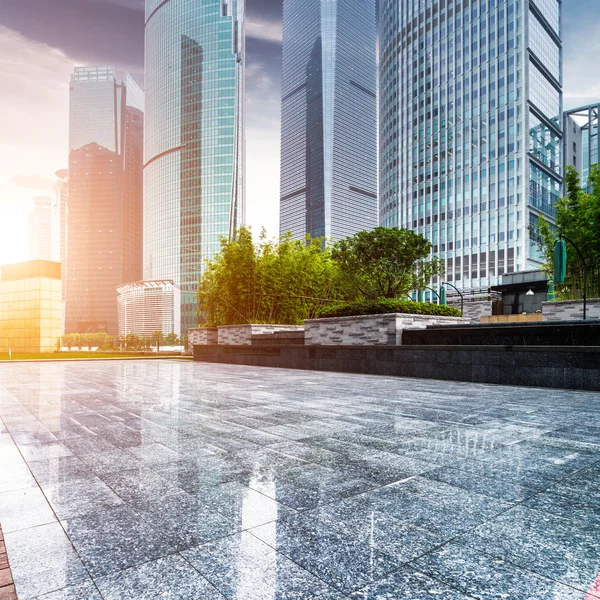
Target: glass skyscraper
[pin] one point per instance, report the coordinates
(194, 144)
(104, 216)
(471, 129)
(329, 118)
(581, 139)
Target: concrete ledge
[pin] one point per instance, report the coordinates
(542, 366)
(370, 330)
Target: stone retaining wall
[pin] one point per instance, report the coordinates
(370, 330)
(476, 310)
(241, 335)
(570, 310)
(202, 336)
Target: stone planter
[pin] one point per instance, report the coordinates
(571, 310)
(370, 330)
(202, 336)
(241, 335)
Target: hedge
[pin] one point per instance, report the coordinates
(386, 306)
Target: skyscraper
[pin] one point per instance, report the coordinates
(581, 139)
(104, 222)
(40, 229)
(194, 144)
(328, 118)
(471, 128)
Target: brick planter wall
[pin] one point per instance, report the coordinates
(7, 586)
(241, 335)
(570, 310)
(202, 336)
(370, 330)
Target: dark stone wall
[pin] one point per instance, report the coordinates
(534, 334)
(550, 367)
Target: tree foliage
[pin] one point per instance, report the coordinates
(266, 282)
(578, 219)
(386, 263)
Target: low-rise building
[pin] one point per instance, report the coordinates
(30, 307)
(148, 306)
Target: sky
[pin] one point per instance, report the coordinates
(41, 41)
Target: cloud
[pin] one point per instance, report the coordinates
(261, 29)
(32, 182)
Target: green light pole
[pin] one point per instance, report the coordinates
(462, 298)
(560, 267)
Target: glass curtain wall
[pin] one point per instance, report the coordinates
(329, 118)
(470, 129)
(194, 145)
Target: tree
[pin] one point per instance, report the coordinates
(158, 339)
(267, 282)
(386, 263)
(171, 339)
(578, 219)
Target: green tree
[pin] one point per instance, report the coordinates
(158, 339)
(132, 342)
(386, 263)
(267, 282)
(578, 219)
(171, 339)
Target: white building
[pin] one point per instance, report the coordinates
(148, 306)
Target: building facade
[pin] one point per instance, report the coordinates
(328, 118)
(471, 129)
(149, 306)
(105, 200)
(581, 139)
(40, 229)
(59, 226)
(194, 144)
(30, 307)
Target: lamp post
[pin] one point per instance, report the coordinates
(432, 290)
(462, 298)
(585, 269)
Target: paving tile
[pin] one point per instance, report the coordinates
(24, 508)
(85, 591)
(242, 566)
(171, 577)
(53, 471)
(341, 560)
(479, 576)
(496, 488)
(114, 539)
(41, 451)
(80, 496)
(408, 585)
(557, 548)
(302, 488)
(15, 477)
(184, 520)
(42, 560)
(441, 509)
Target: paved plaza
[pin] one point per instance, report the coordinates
(134, 480)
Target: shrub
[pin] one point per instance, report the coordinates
(386, 306)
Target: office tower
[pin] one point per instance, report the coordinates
(40, 229)
(59, 221)
(471, 129)
(328, 118)
(581, 139)
(104, 221)
(194, 144)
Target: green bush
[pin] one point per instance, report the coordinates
(386, 306)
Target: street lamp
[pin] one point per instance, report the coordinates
(462, 298)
